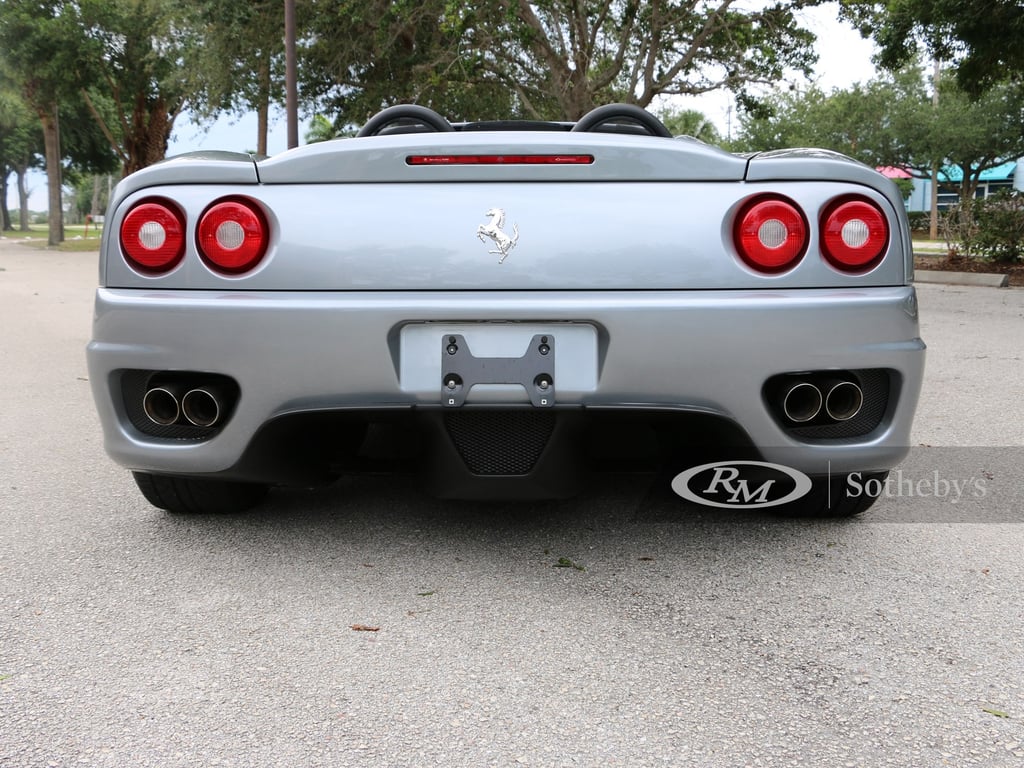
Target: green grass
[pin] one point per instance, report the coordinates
(38, 235)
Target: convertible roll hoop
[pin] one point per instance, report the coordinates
(411, 114)
(611, 118)
(617, 113)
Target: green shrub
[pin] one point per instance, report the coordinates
(919, 220)
(1000, 235)
(992, 228)
(959, 228)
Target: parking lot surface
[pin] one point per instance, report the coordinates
(366, 623)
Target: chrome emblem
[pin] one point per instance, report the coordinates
(504, 244)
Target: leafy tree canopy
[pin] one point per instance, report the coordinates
(21, 144)
(138, 55)
(41, 52)
(242, 36)
(320, 129)
(551, 59)
(690, 122)
(563, 58)
(982, 38)
(859, 122)
(21, 141)
(893, 121)
(361, 56)
(41, 45)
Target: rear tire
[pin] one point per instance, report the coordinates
(198, 496)
(831, 499)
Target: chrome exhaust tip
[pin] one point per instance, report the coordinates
(201, 407)
(801, 402)
(161, 406)
(844, 400)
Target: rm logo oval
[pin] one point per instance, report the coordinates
(741, 484)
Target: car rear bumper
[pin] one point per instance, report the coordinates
(316, 352)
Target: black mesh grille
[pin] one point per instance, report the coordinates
(875, 384)
(500, 442)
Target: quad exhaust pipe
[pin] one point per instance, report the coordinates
(166, 404)
(804, 399)
(843, 400)
(801, 402)
(201, 407)
(161, 406)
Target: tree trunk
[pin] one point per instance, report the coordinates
(969, 181)
(22, 171)
(933, 218)
(51, 140)
(150, 130)
(5, 214)
(263, 109)
(94, 208)
(577, 102)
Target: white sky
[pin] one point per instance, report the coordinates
(844, 58)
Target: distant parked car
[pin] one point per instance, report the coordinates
(503, 306)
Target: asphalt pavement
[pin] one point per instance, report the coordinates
(366, 624)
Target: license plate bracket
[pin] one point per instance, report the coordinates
(461, 370)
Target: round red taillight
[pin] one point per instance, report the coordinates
(233, 236)
(854, 234)
(771, 234)
(153, 236)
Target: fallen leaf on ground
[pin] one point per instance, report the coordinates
(565, 562)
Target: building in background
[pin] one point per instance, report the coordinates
(1009, 175)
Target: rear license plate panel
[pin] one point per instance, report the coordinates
(490, 352)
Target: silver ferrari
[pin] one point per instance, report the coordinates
(506, 308)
